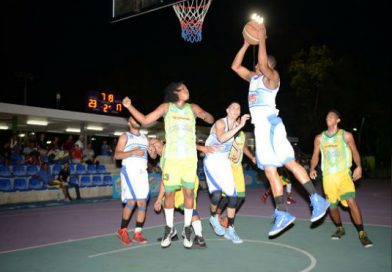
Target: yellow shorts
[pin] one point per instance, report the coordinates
(179, 197)
(179, 173)
(339, 187)
(239, 179)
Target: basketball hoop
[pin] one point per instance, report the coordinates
(191, 14)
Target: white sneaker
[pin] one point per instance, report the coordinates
(166, 240)
(187, 239)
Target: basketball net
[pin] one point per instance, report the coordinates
(191, 15)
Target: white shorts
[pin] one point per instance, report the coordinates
(272, 146)
(134, 184)
(219, 175)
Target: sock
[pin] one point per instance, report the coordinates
(187, 217)
(139, 226)
(309, 187)
(125, 222)
(230, 221)
(279, 202)
(197, 227)
(288, 188)
(169, 215)
(359, 227)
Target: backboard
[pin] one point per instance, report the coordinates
(125, 9)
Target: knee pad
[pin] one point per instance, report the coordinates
(216, 197)
(195, 213)
(232, 202)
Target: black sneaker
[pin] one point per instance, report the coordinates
(199, 242)
(166, 240)
(364, 239)
(174, 236)
(338, 233)
(187, 239)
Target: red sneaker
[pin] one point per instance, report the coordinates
(290, 200)
(123, 235)
(264, 197)
(138, 237)
(224, 222)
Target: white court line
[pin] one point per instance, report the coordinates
(301, 219)
(312, 259)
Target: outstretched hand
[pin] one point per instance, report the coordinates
(126, 102)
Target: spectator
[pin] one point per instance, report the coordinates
(89, 154)
(106, 150)
(77, 154)
(68, 144)
(64, 183)
(79, 142)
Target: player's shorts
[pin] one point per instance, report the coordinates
(219, 174)
(239, 179)
(339, 187)
(179, 197)
(179, 173)
(272, 146)
(134, 183)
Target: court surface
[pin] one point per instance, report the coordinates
(80, 237)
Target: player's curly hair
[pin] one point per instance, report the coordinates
(171, 91)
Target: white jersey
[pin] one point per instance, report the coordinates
(261, 99)
(225, 147)
(136, 142)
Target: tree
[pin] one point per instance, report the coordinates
(310, 71)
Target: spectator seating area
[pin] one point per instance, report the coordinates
(18, 183)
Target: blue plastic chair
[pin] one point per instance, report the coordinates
(97, 180)
(101, 169)
(85, 181)
(20, 184)
(35, 184)
(107, 180)
(91, 169)
(5, 171)
(31, 170)
(56, 169)
(19, 170)
(80, 169)
(5, 185)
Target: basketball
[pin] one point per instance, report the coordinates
(250, 32)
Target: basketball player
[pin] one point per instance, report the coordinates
(217, 168)
(237, 152)
(180, 152)
(337, 149)
(132, 148)
(273, 150)
(198, 240)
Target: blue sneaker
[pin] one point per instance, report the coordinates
(320, 207)
(282, 221)
(230, 234)
(218, 229)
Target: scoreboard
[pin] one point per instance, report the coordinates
(104, 102)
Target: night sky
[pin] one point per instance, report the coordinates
(72, 47)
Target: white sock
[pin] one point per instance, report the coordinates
(169, 215)
(138, 229)
(187, 217)
(197, 227)
(288, 187)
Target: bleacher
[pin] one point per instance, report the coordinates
(17, 184)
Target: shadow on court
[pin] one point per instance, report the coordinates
(302, 248)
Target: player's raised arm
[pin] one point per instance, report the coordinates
(145, 119)
(264, 61)
(237, 66)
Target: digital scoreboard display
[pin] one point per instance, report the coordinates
(104, 102)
